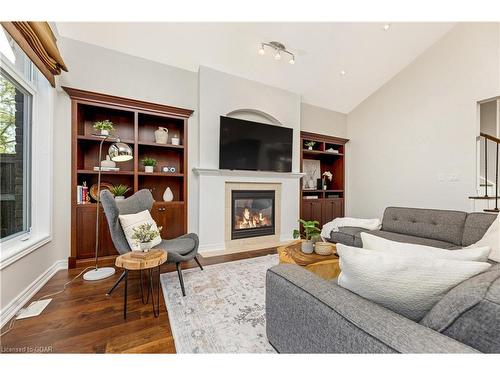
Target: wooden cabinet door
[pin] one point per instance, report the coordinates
(331, 209)
(311, 209)
(170, 216)
(158, 215)
(174, 217)
(85, 231)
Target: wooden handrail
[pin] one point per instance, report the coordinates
(490, 137)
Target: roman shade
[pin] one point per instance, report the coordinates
(38, 41)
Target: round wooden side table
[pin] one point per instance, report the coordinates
(139, 261)
(325, 266)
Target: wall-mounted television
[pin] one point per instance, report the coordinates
(249, 145)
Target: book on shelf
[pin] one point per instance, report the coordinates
(82, 192)
(311, 197)
(107, 169)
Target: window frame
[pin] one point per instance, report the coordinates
(41, 147)
(26, 88)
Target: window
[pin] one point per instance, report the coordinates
(15, 129)
(26, 117)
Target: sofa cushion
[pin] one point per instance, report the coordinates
(440, 225)
(476, 225)
(477, 254)
(346, 235)
(407, 284)
(409, 239)
(470, 312)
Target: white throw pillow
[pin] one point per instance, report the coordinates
(492, 239)
(406, 284)
(479, 254)
(129, 222)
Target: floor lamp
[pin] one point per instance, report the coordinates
(118, 152)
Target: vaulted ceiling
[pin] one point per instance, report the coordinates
(369, 55)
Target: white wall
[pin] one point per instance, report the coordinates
(221, 93)
(323, 121)
(421, 127)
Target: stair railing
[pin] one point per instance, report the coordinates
(496, 141)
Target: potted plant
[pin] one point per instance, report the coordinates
(119, 191)
(310, 145)
(144, 235)
(149, 164)
(104, 127)
(327, 175)
(311, 231)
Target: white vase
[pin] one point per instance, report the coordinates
(146, 246)
(176, 141)
(104, 132)
(148, 169)
(161, 135)
(307, 246)
(119, 198)
(168, 196)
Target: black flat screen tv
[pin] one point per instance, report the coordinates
(249, 145)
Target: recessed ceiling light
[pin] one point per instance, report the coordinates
(387, 26)
(343, 72)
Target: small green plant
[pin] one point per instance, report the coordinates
(104, 125)
(145, 233)
(149, 162)
(310, 230)
(119, 190)
(309, 143)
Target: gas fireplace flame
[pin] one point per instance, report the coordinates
(252, 218)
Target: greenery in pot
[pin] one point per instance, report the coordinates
(144, 234)
(119, 190)
(311, 232)
(105, 127)
(149, 162)
(309, 144)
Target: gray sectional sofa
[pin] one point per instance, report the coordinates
(306, 314)
(437, 228)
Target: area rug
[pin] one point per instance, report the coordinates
(224, 307)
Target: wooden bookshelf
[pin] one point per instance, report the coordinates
(135, 122)
(319, 204)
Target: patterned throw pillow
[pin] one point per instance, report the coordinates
(129, 222)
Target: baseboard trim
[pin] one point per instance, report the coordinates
(9, 311)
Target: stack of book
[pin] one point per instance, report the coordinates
(82, 194)
(107, 169)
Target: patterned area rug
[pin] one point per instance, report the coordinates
(224, 307)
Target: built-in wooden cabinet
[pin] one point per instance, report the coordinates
(318, 203)
(135, 122)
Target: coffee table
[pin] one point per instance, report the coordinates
(325, 266)
(138, 261)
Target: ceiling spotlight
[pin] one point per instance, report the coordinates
(278, 49)
(387, 26)
(343, 72)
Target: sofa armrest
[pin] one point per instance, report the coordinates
(307, 314)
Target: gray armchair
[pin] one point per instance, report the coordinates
(181, 249)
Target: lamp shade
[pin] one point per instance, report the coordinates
(120, 151)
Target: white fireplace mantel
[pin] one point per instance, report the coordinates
(232, 173)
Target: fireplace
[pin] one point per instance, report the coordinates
(252, 213)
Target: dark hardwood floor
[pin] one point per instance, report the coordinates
(84, 320)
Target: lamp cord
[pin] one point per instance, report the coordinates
(11, 325)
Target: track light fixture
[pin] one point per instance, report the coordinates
(278, 49)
